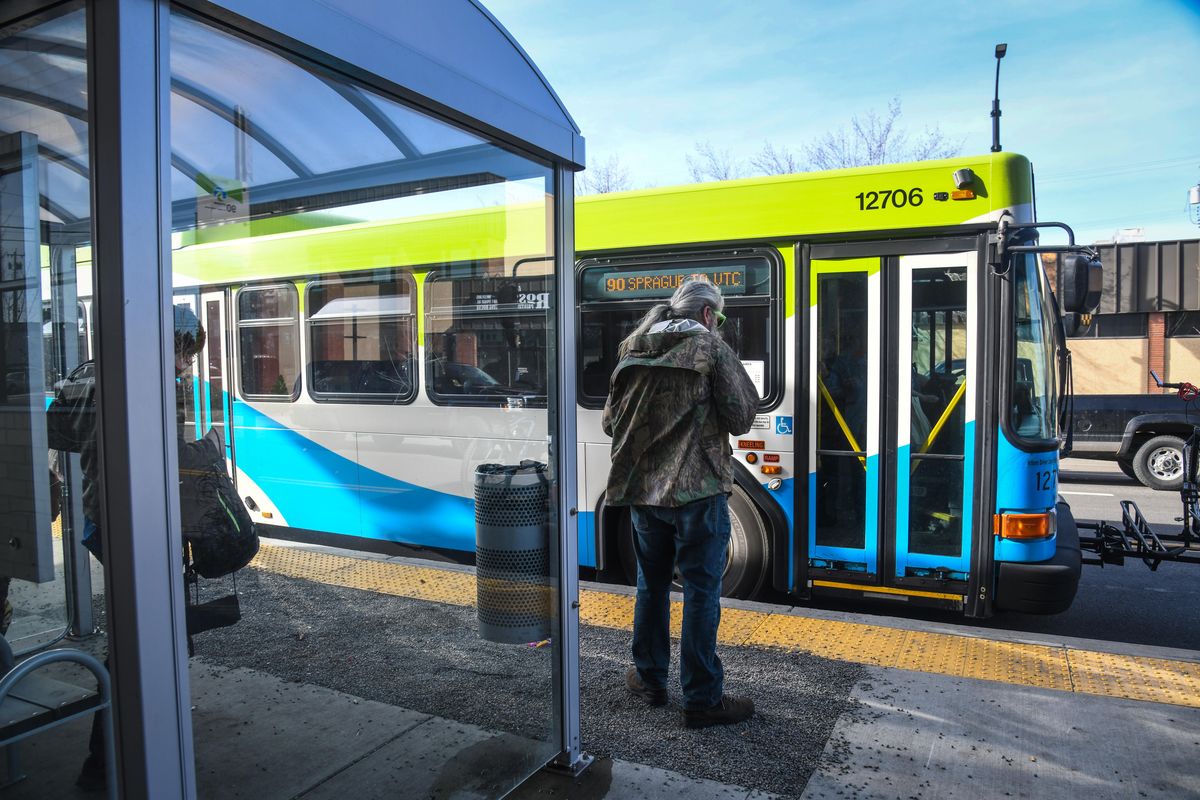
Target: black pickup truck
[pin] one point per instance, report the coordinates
(1144, 433)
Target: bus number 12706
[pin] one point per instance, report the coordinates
(897, 198)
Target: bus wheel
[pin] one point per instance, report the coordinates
(1159, 463)
(746, 562)
(746, 568)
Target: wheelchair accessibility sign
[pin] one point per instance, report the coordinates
(783, 426)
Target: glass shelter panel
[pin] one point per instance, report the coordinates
(50, 586)
(389, 330)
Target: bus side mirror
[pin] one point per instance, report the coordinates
(1082, 280)
(1075, 324)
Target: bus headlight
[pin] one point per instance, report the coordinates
(1025, 527)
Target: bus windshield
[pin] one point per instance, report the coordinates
(1034, 392)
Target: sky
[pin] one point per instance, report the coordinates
(1103, 97)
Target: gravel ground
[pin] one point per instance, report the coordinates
(427, 657)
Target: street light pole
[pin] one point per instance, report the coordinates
(1000, 51)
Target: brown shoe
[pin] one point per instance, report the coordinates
(727, 711)
(638, 687)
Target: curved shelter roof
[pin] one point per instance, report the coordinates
(450, 56)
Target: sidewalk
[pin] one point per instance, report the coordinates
(932, 736)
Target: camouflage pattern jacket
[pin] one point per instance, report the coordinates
(677, 394)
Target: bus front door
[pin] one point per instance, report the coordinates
(206, 396)
(890, 410)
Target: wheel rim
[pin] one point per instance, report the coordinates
(1165, 463)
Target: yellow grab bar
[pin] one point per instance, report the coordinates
(837, 415)
(941, 423)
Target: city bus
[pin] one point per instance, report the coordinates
(897, 321)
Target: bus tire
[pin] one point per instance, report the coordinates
(1159, 463)
(746, 564)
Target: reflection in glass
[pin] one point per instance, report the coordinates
(391, 329)
(938, 410)
(49, 586)
(841, 409)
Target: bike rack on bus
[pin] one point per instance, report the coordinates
(1136, 538)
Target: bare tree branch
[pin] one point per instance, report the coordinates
(773, 161)
(609, 175)
(876, 139)
(709, 164)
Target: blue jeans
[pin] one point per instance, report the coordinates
(694, 538)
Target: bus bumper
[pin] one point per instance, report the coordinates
(1043, 587)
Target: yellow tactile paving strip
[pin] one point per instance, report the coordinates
(1153, 680)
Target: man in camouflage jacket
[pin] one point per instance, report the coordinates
(676, 396)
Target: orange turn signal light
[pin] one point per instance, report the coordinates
(962, 194)
(1025, 526)
(771, 470)
(751, 458)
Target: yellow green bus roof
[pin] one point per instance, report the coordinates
(776, 208)
(803, 204)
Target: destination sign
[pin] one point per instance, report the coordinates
(663, 282)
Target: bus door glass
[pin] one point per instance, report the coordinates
(935, 414)
(189, 389)
(212, 366)
(203, 401)
(843, 418)
(891, 419)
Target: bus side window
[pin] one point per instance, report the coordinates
(361, 334)
(269, 342)
(486, 337)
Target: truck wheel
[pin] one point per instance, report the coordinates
(1159, 463)
(746, 563)
(1127, 468)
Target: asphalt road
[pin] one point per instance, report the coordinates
(1125, 604)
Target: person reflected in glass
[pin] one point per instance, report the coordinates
(189, 341)
(677, 394)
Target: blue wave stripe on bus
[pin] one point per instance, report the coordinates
(317, 489)
(785, 498)
(587, 538)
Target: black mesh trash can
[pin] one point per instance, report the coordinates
(512, 534)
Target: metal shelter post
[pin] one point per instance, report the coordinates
(128, 91)
(570, 758)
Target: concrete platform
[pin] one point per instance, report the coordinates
(933, 736)
(289, 703)
(262, 738)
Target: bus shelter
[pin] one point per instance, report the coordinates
(366, 210)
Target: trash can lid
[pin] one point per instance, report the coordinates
(526, 473)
